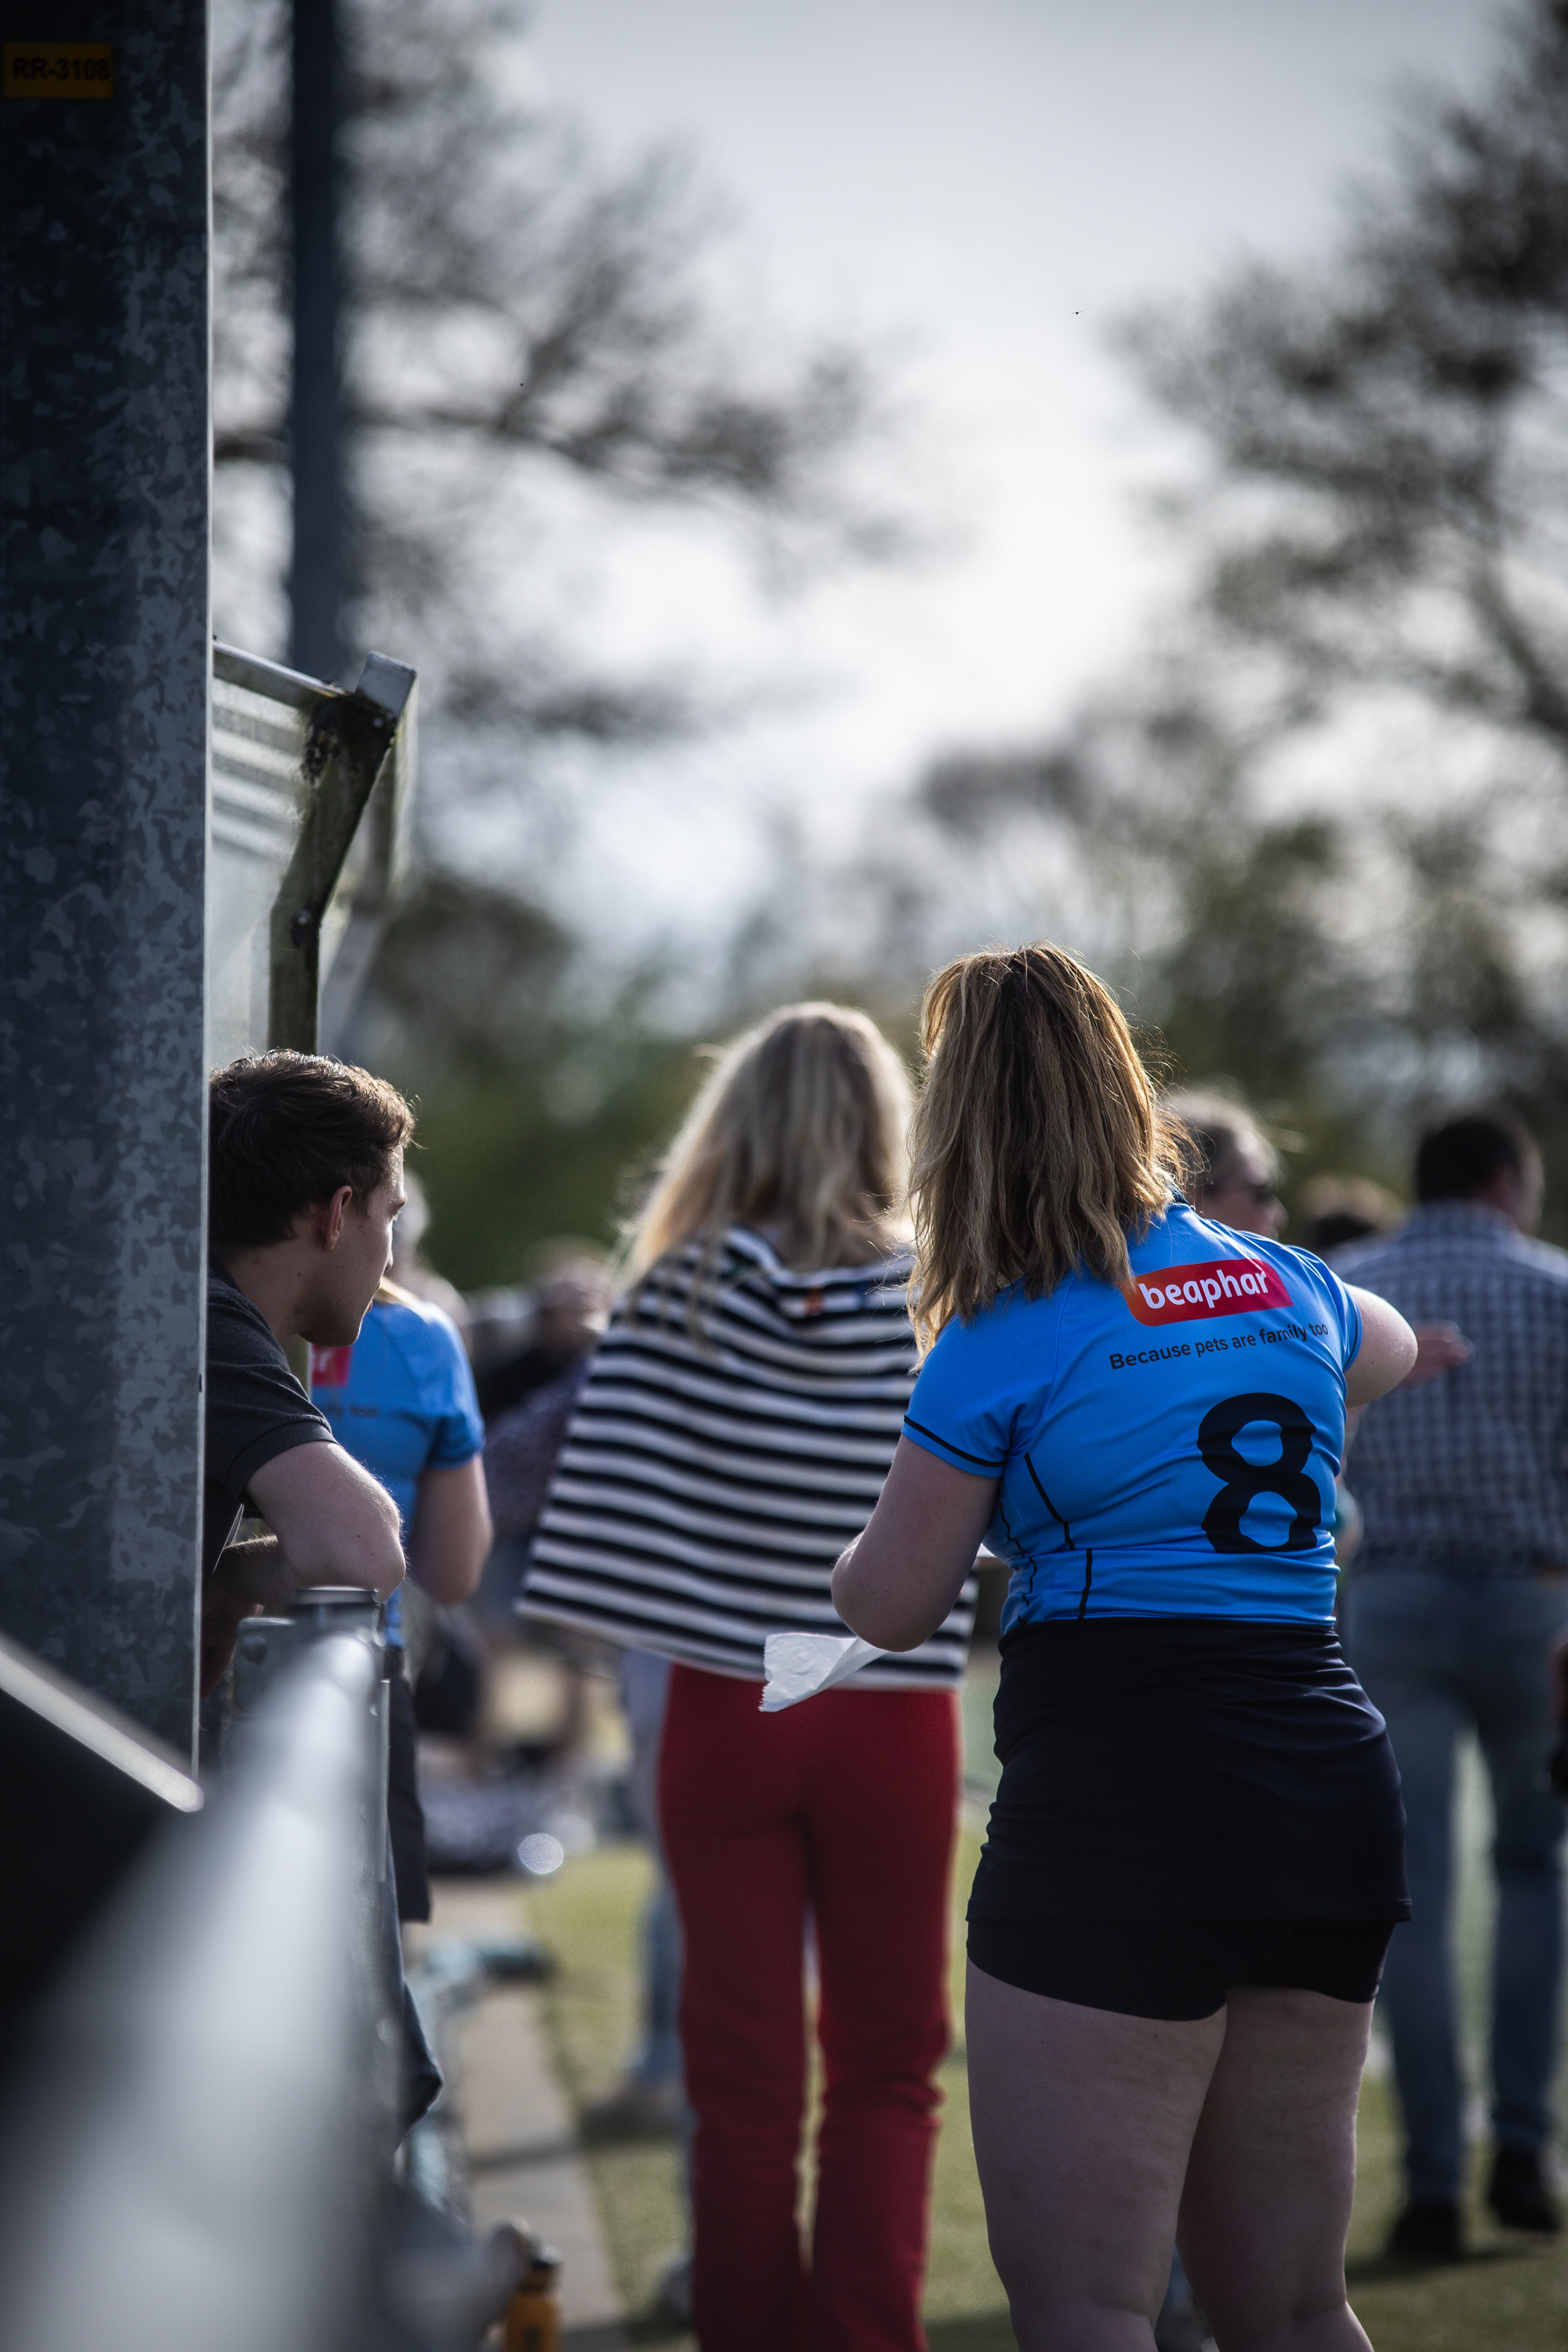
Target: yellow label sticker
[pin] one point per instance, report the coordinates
(58, 69)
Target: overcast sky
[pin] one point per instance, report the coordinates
(982, 186)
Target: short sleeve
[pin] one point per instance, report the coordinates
(256, 1409)
(962, 1407)
(1351, 1335)
(459, 1429)
(1345, 1314)
(1350, 1324)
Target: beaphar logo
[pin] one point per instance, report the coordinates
(1223, 1285)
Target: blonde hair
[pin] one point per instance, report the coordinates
(1037, 1145)
(801, 1131)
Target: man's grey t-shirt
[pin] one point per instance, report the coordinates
(256, 1410)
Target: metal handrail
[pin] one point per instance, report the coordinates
(197, 2152)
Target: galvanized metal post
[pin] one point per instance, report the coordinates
(104, 617)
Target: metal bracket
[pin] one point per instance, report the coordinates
(267, 1645)
(346, 747)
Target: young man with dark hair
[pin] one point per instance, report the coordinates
(305, 1184)
(1458, 1588)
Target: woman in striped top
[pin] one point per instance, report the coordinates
(733, 1434)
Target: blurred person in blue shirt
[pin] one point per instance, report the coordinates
(402, 1401)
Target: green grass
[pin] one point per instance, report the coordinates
(588, 1917)
(1511, 2295)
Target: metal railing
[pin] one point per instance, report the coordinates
(198, 2146)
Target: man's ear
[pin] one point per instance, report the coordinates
(332, 1214)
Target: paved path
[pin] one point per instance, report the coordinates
(524, 2157)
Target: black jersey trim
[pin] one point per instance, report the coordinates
(1088, 1581)
(1067, 1531)
(913, 1423)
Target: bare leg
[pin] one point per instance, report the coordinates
(1083, 2119)
(1271, 2174)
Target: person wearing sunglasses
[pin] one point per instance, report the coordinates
(1238, 1168)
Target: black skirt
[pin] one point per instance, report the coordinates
(1188, 1768)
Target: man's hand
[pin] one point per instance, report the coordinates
(253, 1576)
(1439, 1348)
(224, 1611)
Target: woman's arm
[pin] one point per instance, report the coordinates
(898, 1579)
(1386, 1353)
(451, 1537)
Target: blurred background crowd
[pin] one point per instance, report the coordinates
(1302, 800)
(1132, 514)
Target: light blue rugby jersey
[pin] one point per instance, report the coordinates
(400, 1400)
(1165, 1451)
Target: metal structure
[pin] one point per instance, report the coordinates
(104, 276)
(267, 1645)
(196, 2147)
(312, 792)
(201, 2002)
(98, 1793)
(200, 2147)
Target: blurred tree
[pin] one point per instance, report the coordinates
(1387, 502)
(523, 326)
(543, 1094)
(1219, 921)
(1321, 838)
(1346, 967)
(546, 1086)
(538, 350)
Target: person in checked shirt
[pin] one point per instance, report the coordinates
(1458, 1589)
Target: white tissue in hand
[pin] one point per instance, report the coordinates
(801, 1664)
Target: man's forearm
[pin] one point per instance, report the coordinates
(259, 1574)
(335, 1524)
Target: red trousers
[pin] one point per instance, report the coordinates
(841, 1812)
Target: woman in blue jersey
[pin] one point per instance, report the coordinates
(402, 1401)
(1195, 1856)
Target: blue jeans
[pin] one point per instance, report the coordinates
(645, 1687)
(1438, 1655)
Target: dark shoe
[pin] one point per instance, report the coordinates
(636, 2111)
(1428, 2232)
(1519, 2194)
(672, 2292)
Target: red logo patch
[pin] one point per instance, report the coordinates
(329, 1367)
(1223, 1285)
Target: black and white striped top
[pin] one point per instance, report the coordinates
(709, 1481)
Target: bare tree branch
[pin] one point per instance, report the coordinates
(1387, 431)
